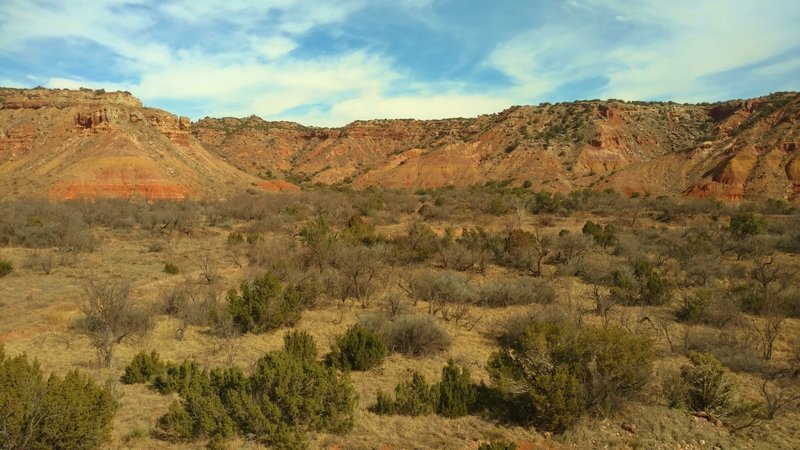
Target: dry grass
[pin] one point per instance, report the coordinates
(36, 311)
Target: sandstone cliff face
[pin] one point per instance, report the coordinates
(730, 150)
(68, 144)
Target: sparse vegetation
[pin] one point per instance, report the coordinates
(560, 305)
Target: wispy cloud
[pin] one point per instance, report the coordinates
(650, 49)
(327, 62)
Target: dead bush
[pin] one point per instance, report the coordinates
(442, 290)
(193, 304)
(41, 260)
(359, 273)
(109, 315)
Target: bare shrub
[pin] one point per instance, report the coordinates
(170, 216)
(193, 304)
(277, 254)
(768, 330)
(517, 291)
(570, 248)
(41, 260)
(453, 255)
(442, 290)
(110, 316)
(209, 271)
(359, 272)
(736, 346)
(778, 396)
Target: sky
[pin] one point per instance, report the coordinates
(329, 62)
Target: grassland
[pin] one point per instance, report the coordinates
(693, 246)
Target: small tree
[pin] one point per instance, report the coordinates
(456, 392)
(320, 239)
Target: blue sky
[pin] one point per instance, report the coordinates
(328, 62)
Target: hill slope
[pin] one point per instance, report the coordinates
(731, 150)
(67, 144)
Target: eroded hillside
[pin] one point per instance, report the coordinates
(66, 144)
(730, 150)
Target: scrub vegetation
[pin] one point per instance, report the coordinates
(480, 317)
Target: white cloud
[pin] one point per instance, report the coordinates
(11, 83)
(273, 47)
(659, 48)
(445, 105)
(780, 68)
(66, 83)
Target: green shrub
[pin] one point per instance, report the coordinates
(72, 412)
(263, 305)
(358, 349)
(708, 385)
(143, 368)
(6, 267)
(235, 237)
(694, 308)
(622, 365)
(288, 395)
(454, 396)
(644, 286)
(414, 397)
(384, 404)
(171, 268)
(551, 373)
(604, 236)
(748, 296)
(180, 377)
(300, 344)
(410, 334)
(746, 224)
(456, 391)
